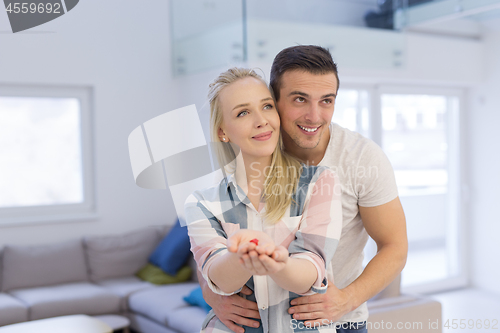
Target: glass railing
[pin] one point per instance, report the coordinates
(411, 13)
(206, 34)
(209, 34)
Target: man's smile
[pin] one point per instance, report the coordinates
(309, 129)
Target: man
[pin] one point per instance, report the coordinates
(305, 83)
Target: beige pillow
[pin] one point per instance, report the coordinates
(119, 255)
(43, 265)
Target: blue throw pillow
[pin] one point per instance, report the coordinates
(196, 298)
(173, 251)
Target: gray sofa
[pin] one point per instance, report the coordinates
(95, 276)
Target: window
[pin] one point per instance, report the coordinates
(418, 129)
(351, 110)
(45, 161)
(423, 148)
(414, 141)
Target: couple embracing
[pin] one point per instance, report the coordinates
(279, 241)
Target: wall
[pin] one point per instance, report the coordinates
(482, 142)
(427, 59)
(425, 224)
(122, 50)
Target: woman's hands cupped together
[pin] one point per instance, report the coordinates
(263, 259)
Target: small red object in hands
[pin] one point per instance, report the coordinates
(255, 241)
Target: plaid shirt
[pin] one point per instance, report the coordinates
(310, 230)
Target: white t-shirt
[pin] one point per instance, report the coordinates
(367, 180)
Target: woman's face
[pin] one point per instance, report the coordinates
(250, 119)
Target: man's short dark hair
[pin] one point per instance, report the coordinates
(310, 58)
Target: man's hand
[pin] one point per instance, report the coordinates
(321, 309)
(233, 310)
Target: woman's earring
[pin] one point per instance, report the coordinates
(223, 139)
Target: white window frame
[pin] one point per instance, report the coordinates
(456, 232)
(371, 93)
(455, 237)
(59, 212)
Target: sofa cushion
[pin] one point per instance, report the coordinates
(119, 255)
(158, 303)
(187, 319)
(195, 297)
(11, 310)
(42, 265)
(163, 229)
(173, 251)
(156, 275)
(123, 287)
(140, 323)
(68, 299)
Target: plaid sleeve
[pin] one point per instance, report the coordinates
(319, 232)
(208, 238)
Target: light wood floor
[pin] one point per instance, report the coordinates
(470, 304)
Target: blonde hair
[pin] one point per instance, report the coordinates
(285, 170)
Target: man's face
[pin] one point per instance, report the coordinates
(306, 107)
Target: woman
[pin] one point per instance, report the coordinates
(273, 223)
